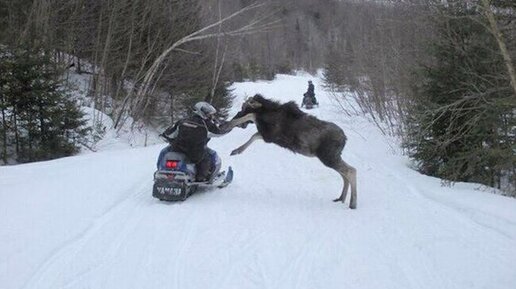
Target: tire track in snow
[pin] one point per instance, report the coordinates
(466, 237)
(179, 263)
(301, 255)
(400, 267)
(74, 245)
(303, 268)
(248, 244)
(299, 265)
(256, 273)
(129, 226)
(465, 213)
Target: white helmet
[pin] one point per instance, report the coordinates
(204, 110)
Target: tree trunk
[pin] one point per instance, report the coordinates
(501, 44)
(4, 135)
(16, 135)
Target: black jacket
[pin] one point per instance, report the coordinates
(191, 136)
(311, 89)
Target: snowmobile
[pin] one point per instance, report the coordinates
(175, 178)
(308, 101)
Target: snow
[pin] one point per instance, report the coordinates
(106, 137)
(90, 221)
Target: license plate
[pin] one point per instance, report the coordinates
(169, 191)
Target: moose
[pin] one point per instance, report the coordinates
(289, 127)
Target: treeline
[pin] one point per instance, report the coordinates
(113, 41)
(122, 39)
(118, 41)
(298, 38)
(149, 61)
(441, 74)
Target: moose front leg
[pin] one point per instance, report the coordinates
(238, 121)
(243, 147)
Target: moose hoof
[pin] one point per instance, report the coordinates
(353, 205)
(338, 200)
(235, 152)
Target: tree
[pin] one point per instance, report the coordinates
(461, 124)
(39, 120)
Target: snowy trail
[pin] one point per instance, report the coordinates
(91, 222)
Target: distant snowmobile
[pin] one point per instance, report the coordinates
(175, 178)
(308, 101)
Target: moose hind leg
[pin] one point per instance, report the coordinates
(349, 177)
(243, 147)
(350, 173)
(345, 188)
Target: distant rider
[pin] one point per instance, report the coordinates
(191, 136)
(311, 92)
(309, 99)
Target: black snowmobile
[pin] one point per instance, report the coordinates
(175, 178)
(308, 101)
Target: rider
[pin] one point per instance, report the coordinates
(191, 135)
(311, 92)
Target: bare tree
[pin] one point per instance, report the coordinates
(493, 28)
(204, 33)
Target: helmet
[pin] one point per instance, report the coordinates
(204, 109)
(309, 81)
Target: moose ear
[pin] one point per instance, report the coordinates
(254, 104)
(251, 103)
(246, 102)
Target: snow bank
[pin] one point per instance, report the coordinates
(104, 136)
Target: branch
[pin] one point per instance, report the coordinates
(187, 51)
(198, 35)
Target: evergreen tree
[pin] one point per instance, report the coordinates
(340, 69)
(39, 120)
(462, 115)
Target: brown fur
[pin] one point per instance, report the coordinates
(289, 127)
